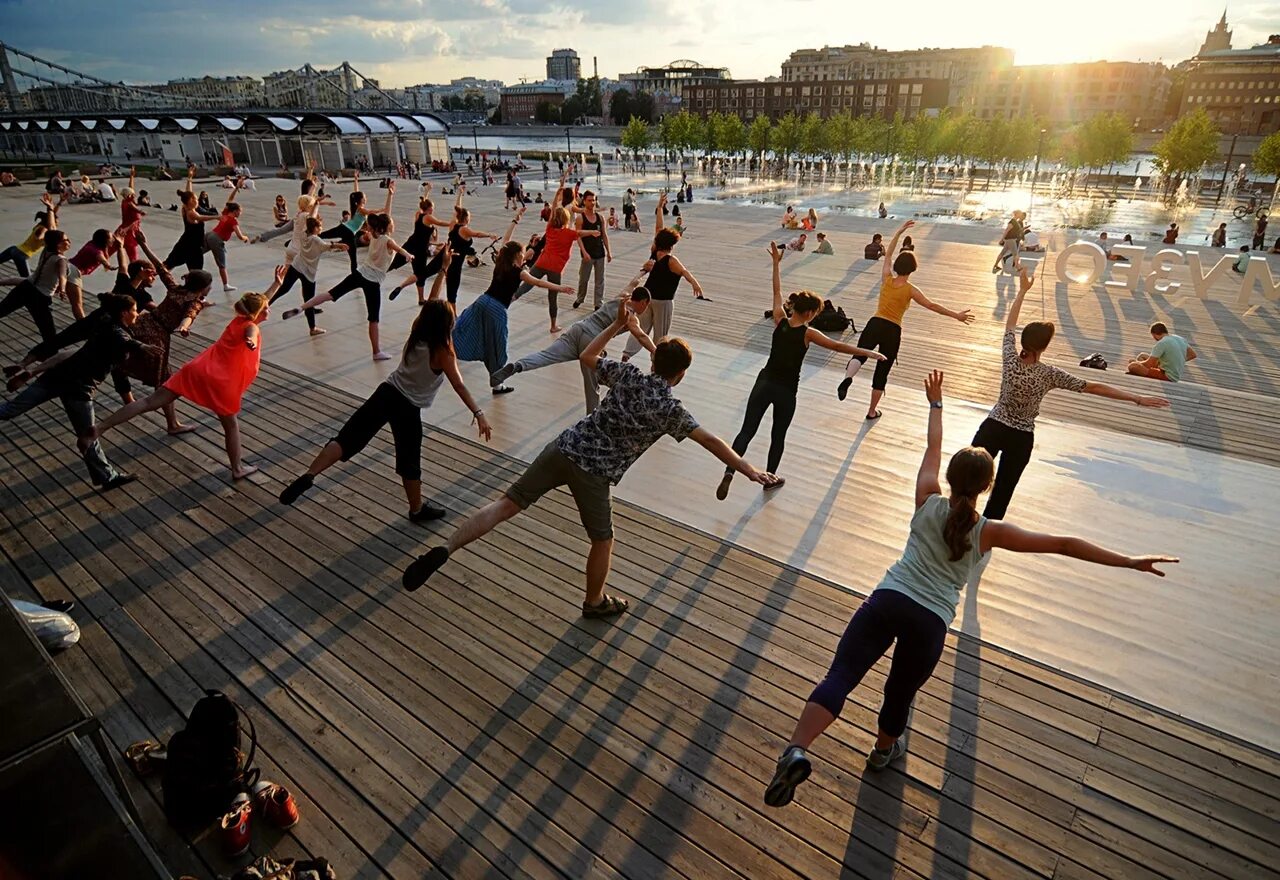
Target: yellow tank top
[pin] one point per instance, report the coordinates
(893, 301)
(33, 243)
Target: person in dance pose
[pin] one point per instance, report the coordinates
(93, 254)
(368, 276)
(282, 222)
(459, 243)
(130, 218)
(419, 244)
(20, 253)
(595, 251)
(1010, 242)
(594, 454)
(189, 249)
(665, 272)
(558, 239)
(884, 330)
(779, 380)
(348, 231)
(427, 360)
(916, 600)
(74, 376)
(215, 379)
(215, 241)
(570, 345)
(481, 332)
(36, 293)
(303, 261)
(1008, 432)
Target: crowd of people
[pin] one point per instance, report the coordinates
(128, 334)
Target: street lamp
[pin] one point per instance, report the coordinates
(1035, 173)
(475, 141)
(567, 142)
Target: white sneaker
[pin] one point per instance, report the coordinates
(381, 356)
(878, 760)
(227, 288)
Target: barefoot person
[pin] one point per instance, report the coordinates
(426, 362)
(1167, 359)
(1010, 242)
(481, 333)
(779, 380)
(1008, 433)
(216, 379)
(594, 454)
(189, 249)
(665, 272)
(573, 342)
(74, 376)
(884, 330)
(916, 601)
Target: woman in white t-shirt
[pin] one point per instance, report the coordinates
(303, 263)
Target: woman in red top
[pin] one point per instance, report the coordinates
(559, 239)
(215, 241)
(130, 219)
(95, 252)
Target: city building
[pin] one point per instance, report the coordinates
(227, 91)
(668, 83)
(1065, 94)
(1238, 88)
(564, 64)
(519, 103)
(965, 68)
(748, 99)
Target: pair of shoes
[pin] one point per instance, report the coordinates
(793, 768)
(504, 374)
(501, 389)
(117, 481)
(878, 759)
(275, 804)
(427, 513)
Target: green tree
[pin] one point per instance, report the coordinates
(620, 107)
(642, 106)
(712, 127)
(787, 135)
(733, 134)
(1189, 143)
(667, 133)
(636, 136)
(760, 136)
(813, 135)
(1266, 159)
(547, 112)
(840, 134)
(1024, 135)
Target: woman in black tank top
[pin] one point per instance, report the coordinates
(419, 245)
(664, 278)
(778, 381)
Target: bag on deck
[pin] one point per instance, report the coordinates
(206, 768)
(832, 320)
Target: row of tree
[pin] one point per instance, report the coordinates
(1101, 141)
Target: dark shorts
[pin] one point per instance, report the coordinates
(552, 469)
(386, 406)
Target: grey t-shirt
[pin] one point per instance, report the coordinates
(415, 379)
(925, 572)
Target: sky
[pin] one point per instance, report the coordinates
(406, 42)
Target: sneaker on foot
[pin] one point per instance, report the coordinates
(424, 567)
(228, 288)
(878, 760)
(504, 374)
(794, 768)
(291, 313)
(842, 391)
(427, 513)
(501, 389)
(395, 291)
(722, 491)
(295, 489)
(117, 481)
(577, 303)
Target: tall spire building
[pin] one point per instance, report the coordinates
(1219, 38)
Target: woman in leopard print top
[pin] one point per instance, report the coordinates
(1009, 431)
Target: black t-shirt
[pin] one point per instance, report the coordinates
(873, 251)
(594, 244)
(106, 348)
(140, 295)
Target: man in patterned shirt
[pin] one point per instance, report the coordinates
(595, 453)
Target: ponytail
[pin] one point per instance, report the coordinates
(969, 474)
(959, 523)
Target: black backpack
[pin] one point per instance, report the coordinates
(206, 768)
(832, 320)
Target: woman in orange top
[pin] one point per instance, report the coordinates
(558, 244)
(884, 330)
(216, 379)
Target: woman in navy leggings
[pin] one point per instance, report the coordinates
(916, 601)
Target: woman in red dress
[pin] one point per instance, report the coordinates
(216, 379)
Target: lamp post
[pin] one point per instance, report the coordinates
(1231, 154)
(1035, 172)
(568, 142)
(475, 141)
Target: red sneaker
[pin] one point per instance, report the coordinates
(236, 834)
(276, 804)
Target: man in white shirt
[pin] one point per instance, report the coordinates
(106, 192)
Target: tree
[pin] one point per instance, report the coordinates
(760, 135)
(786, 135)
(642, 106)
(547, 112)
(813, 140)
(1266, 159)
(712, 128)
(636, 136)
(733, 134)
(841, 134)
(620, 107)
(1190, 142)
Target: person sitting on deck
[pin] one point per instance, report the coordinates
(824, 245)
(1242, 261)
(798, 243)
(1171, 234)
(1168, 357)
(1219, 236)
(875, 250)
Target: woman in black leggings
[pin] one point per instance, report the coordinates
(916, 601)
(778, 381)
(1009, 431)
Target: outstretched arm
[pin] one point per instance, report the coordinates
(887, 269)
(779, 313)
(822, 340)
(729, 458)
(963, 317)
(1009, 537)
(678, 267)
(511, 227)
(590, 357)
(454, 375)
(657, 213)
(1113, 393)
(544, 283)
(927, 479)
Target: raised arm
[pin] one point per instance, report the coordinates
(1024, 284)
(590, 357)
(231, 196)
(511, 227)
(191, 173)
(963, 317)
(927, 478)
(657, 213)
(779, 313)
(886, 270)
(133, 175)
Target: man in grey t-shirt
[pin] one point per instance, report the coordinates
(570, 345)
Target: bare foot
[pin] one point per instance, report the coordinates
(381, 356)
(244, 471)
(554, 329)
(318, 331)
(174, 430)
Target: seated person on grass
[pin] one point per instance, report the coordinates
(1168, 357)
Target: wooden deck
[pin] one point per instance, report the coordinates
(479, 728)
